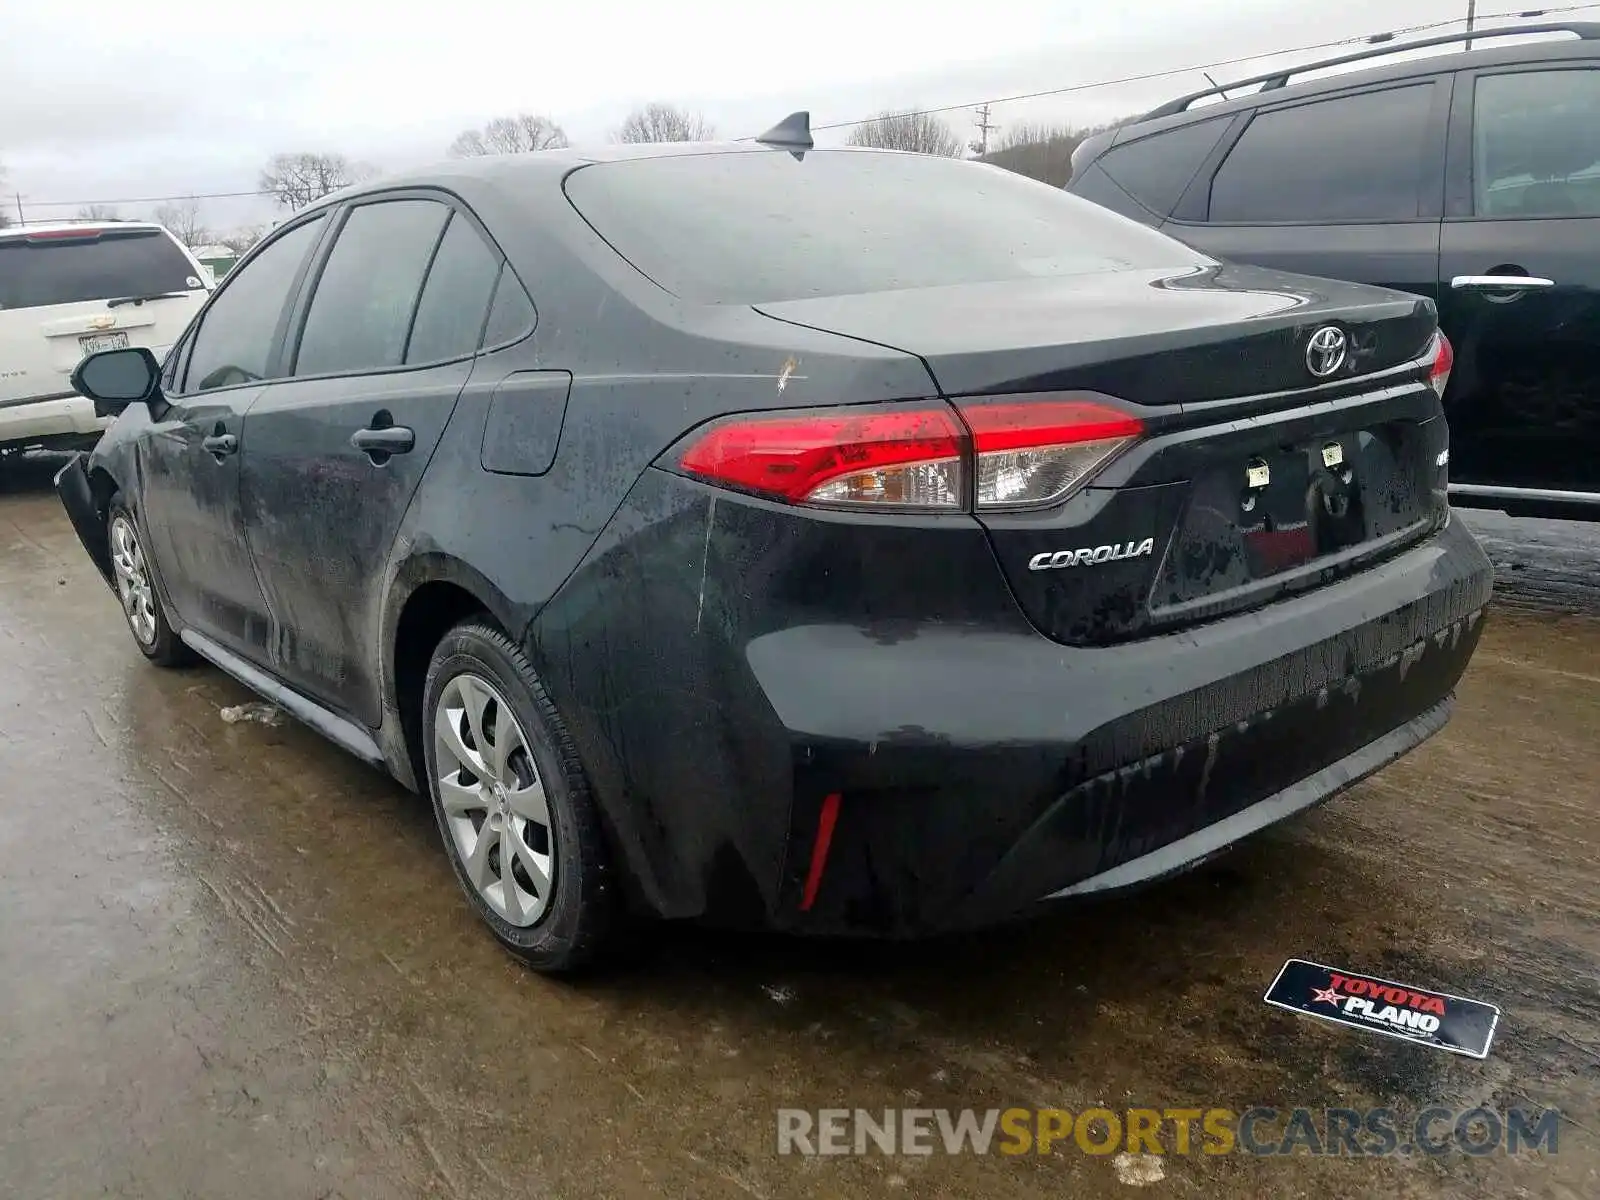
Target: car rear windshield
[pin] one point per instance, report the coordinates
(744, 228)
(47, 269)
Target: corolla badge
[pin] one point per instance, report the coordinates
(1090, 556)
(1325, 352)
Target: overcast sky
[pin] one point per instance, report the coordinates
(177, 96)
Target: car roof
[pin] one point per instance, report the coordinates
(520, 169)
(1585, 44)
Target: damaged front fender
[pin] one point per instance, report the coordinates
(87, 516)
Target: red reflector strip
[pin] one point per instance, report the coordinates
(57, 235)
(1028, 425)
(792, 455)
(819, 850)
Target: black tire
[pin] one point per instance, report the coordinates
(579, 921)
(161, 645)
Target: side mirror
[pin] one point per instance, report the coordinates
(114, 379)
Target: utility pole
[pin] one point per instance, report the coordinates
(981, 145)
(1472, 16)
(21, 220)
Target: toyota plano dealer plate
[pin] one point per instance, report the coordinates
(1445, 1022)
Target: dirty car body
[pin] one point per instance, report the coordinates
(903, 543)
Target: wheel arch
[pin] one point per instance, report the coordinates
(430, 594)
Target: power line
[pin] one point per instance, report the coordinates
(1202, 68)
(144, 199)
(1143, 77)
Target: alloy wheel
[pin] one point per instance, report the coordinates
(133, 579)
(493, 801)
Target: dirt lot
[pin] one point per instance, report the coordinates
(233, 962)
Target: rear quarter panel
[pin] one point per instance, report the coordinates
(645, 369)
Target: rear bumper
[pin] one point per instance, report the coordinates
(979, 769)
(1078, 772)
(50, 421)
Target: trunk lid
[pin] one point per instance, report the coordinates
(1149, 337)
(1254, 478)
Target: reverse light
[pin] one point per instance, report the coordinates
(1444, 358)
(891, 456)
(1032, 453)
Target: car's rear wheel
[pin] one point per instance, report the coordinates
(136, 589)
(513, 803)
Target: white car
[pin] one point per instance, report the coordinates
(72, 288)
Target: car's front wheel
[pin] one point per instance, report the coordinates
(513, 803)
(141, 602)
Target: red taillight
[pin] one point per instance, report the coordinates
(1444, 357)
(1018, 452)
(1036, 452)
(79, 233)
(890, 455)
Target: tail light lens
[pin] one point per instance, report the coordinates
(890, 456)
(1032, 453)
(75, 234)
(1444, 358)
(1011, 453)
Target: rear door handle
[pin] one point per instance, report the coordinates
(391, 439)
(221, 444)
(1500, 283)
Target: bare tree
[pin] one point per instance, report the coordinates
(664, 123)
(182, 218)
(98, 212)
(920, 133)
(241, 240)
(510, 135)
(295, 180)
(1042, 152)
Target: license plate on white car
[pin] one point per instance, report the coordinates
(97, 342)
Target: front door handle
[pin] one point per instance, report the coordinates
(1499, 283)
(387, 440)
(221, 444)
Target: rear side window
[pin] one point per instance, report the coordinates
(511, 314)
(362, 308)
(1536, 144)
(743, 228)
(240, 328)
(1155, 170)
(51, 268)
(455, 300)
(1353, 158)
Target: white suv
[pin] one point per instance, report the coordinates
(69, 289)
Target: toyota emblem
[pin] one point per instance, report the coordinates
(1325, 352)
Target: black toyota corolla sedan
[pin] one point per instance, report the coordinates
(833, 540)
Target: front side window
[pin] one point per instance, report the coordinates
(236, 337)
(1536, 144)
(362, 308)
(1352, 158)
